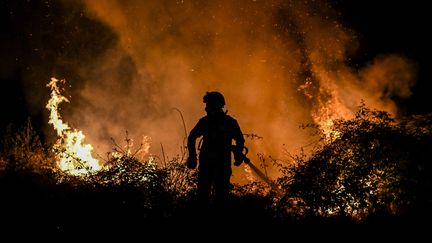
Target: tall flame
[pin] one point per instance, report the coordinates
(73, 155)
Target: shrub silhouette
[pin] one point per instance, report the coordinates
(370, 165)
(22, 150)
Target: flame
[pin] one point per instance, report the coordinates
(126, 150)
(73, 156)
(330, 108)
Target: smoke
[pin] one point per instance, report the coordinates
(180, 50)
(278, 63)
(133, 64)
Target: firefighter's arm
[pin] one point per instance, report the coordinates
(238, 148)
(191, 161)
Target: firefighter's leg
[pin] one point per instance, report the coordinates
(204, 187)
(222, 187)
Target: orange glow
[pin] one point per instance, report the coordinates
(278, 63)
(327, 111)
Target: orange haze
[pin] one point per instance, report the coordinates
(278, 63)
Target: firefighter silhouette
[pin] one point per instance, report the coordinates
(218, 130)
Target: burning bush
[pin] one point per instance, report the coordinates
(370, 165)
(158, 189)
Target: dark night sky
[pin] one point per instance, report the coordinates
(382, 27)
(395, 27)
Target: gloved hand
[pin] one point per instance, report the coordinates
(191, 162)
(238, 159)
(238, 155)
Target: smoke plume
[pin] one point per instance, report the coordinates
(279, 64)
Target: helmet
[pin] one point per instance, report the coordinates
(214, 99)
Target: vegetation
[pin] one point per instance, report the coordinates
(372, 167)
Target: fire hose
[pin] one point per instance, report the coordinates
(257, 171)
